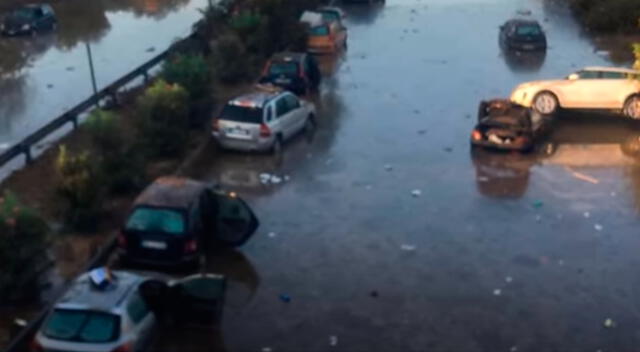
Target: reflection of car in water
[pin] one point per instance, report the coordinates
(507, 126)
(586, 141)
(524, 61)
(500, 175)
(29, 19)
(602, 88)
(522, 35)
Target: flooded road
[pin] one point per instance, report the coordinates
(496, 252)
(43, 76)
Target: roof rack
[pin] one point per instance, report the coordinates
(268, 88)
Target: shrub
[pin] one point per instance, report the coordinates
(230, 60)
(190, 72)
(80, 187)
(608, 16)
(163, 118)
(22, 241)
(119, 160)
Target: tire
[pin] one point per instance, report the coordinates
(276, 148)
(545, 103)
(631, 107)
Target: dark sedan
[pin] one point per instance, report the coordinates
(295, 72)
(522, 35)
(30, 20)
(175, 220)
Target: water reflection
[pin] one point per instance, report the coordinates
(501, 175)
(518, 61)
(363, 14)
(80, 21)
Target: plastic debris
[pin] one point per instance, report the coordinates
(416, 193)
(266, 178)
(538, 204)
(609, 323)
(287, 178)
(448, 149)
(497, 292)
(272, 235)
(598, 227)
(583, 177)
(538, 218)
(408, 247)
(513, 349)
(151, 49)
(586, 215)
(333, 340)
(388, 167)
(275, 179)
(508, 279)
(267, 349)
(285, 298)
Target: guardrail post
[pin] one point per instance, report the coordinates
(28, 158)
(145, 74)
(74, 120)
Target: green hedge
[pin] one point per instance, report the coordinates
(608, 15)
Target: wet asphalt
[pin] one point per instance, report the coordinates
(498, 252)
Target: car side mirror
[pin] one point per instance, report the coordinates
(573, 77)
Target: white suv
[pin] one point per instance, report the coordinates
(590, 88)
(262, 120)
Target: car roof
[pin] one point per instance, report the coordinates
(611, 69)
(288, 56)
(84, 295)
(171, 192)
(258, 98)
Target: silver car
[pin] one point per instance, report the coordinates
(262, 120)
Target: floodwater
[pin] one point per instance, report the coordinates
(499, 252)
(43, 76)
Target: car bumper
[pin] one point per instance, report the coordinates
(158, 261)
(321, 49)
(527, 46)
(508, 147)
(260, 145)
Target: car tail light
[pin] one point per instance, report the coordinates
(476, 135)
(124, 348)
(265, 131)
(35, 346)
(191, 246)
(215, 125)
(122, 240)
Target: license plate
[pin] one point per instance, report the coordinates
(283, 81)
(238, 130)
(154, 245)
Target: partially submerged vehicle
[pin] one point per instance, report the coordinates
(505, 125)
(29, 20)
(325, 37)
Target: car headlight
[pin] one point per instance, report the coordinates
(26, 27)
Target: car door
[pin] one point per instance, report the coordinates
(279, 124)
(233, 220)
(613, 90)
(580, 92)
(142, 321)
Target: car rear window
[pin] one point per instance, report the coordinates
(23, 14)
(531, 30)
(283, 68)
(330, 16)
(82, 326)
(319, 31)
(238, 113)
(156, 220)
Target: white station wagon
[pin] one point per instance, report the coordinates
(590, 88)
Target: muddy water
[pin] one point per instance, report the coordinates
(43, 76)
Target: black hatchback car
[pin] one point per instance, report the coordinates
(175, 220)
(522, 35)
(507, 126)
(29, 19)
(295, 72)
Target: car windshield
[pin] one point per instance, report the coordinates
(156, 220)
(82, 326)
(319, 31)
(237, 113)
(530, 30)
(23, 14)
(283, 68)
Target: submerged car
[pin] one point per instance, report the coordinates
(522, 35)
(295, 72)
(325, 37)
(120, 311)
(507, 126)
(262, 120)
(29, 19)
(175, 220)
(602, 88)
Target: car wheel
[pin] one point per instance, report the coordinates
(276, 148)
(632, 107)
(545, 103)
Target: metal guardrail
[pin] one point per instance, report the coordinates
(26, 144)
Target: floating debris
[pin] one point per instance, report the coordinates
(272, 235)
(497, 292)
(333, 341)
(416, 193)
(609, 323)
(408, 247)
(508, 279)
(388, 167)
(598, 227)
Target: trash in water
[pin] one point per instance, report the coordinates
(416, 193)
(422, 131)
(583, 177)
(538, 218)
(275, 179)
(609, 323)
(285, 298)
(408, 247)
(373, 293)
(448, 149)
(267, 349)
(266, 178)
(49, 85)
(586, 214)
(598, 227)
(388, 167)
(151, 49)
(497, 292)
(467, 116)
(287, 178)
(333, 340)
(272, 234)
(508, 279)
(70, 68)
(538, 204)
